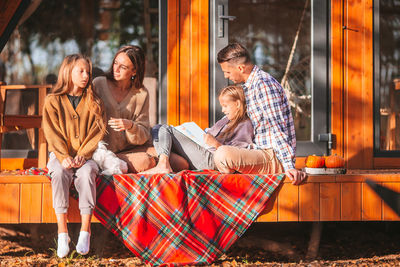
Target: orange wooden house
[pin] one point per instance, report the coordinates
(333, 59)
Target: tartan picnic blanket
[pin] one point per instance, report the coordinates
(191, 217)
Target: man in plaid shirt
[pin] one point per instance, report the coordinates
(274, 145)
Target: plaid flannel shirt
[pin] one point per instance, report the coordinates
(269, 111)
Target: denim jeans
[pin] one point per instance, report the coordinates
(167, 138)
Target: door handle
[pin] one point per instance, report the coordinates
(327, 137)
(221, 20)
(227, 17)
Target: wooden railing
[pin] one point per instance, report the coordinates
(9, 123)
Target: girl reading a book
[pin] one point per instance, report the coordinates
(73, 124)
(234, 129)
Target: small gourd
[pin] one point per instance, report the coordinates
(314, 161)
(334, 161)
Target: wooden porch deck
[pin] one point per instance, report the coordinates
(346, 197)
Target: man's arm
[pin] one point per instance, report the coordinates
(279, 122)
(274, 106)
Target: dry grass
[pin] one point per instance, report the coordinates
(265, 244)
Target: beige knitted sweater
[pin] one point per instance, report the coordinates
(70, 132)
(135, 107)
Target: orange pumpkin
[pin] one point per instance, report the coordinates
(334, 161)
(315, 161)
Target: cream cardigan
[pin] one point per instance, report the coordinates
(70, 132)
(135, 107)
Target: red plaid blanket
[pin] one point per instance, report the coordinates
(191, 217)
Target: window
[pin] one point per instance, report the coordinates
(97, 28)
(387, 77)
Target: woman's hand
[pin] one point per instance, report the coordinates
(67, 163)
(120, 124)
(211, 141)
(78, 161)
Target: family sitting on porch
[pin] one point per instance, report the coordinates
(256, 136)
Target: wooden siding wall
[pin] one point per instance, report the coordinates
(352, 81)
(28, 199)
(188, 62)
(332, 198)
(351, 73)
(322, 198)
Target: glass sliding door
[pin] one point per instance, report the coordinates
(387, 77)
(287, 39)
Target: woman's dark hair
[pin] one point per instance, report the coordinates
(136, 55)
(234, 53)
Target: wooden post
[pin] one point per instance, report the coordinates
(352, 81)
(188, 62)
(2, 109)
(313, 245)
(42, 147)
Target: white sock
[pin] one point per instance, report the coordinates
(83, 243)
(62, 245)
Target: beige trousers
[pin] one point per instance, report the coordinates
(229, 159)
(84, 180)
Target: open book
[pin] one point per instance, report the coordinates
(194, 132)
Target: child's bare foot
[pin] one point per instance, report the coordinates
(157, 169)
(162, 166)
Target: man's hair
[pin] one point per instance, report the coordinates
(234, 53)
